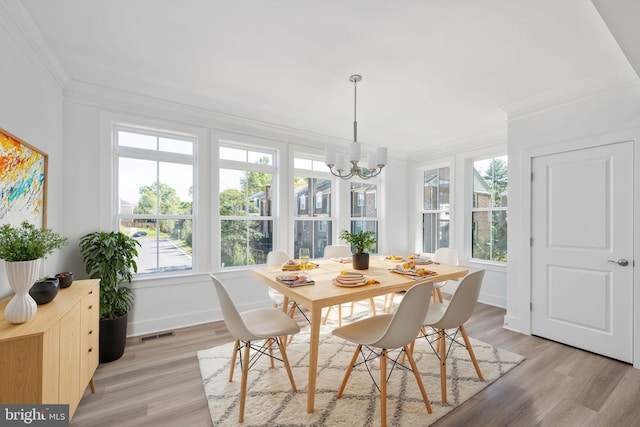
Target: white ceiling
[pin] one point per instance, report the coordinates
(434, 71)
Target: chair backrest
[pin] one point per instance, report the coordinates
(232, 319)
(446, 256)
(337, 251)
(463, 302)
(408, 318)
(277, 258)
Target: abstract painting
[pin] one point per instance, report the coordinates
(23, 182)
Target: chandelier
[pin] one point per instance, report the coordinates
(354, 152)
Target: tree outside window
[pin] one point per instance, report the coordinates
(489, 211)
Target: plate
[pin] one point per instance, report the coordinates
(415, 272)
(396, 259)
(362, 282)
(294, 280)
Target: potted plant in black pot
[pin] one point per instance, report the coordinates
(23, 248)
(111, 257)
(361, 242)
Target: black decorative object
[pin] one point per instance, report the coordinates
(44, 291)
(361, 261)
(65, 278)
(113, 337)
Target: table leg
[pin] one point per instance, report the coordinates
(314, 343)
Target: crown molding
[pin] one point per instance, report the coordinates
(18, 23)
(573, 92)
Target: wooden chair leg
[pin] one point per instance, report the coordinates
(285, 359)
(409, 352)
(353, 304)
(470, 350)
(270, 345)
(439, 295)
(383, 388)
(233, 359)
(373, 306)
(349, 369)
(339, 315)
(390, 296)
(443, 365)
(243, 384)
(324, 322)
(92, 385)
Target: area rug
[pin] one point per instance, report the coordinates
(271, 402)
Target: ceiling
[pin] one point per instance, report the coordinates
(434, 72)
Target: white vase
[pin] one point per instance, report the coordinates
(21, 275)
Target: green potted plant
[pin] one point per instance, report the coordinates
(23, 248)
(111, 257)
(361, 241)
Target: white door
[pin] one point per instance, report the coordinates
(582, 249)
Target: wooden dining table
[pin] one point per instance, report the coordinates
(325, 293)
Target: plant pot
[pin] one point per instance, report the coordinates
(113, 337)
(360, 261)
(65, 278)
(21, 275)
(44, 291)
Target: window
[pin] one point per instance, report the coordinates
(489, 211)
(155, 175)
(364, 209)
(435, 209)
(246, 218)
(312, 221)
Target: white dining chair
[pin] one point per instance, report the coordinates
(341, 251)
(275, 259)
(452, 315)
(443, 256)
(267, 324)
(387, 332)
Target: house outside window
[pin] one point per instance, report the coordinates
(246, 180)
(436, 209)
(364, 209)
(489, 210)
(313, 220)
(154, 172)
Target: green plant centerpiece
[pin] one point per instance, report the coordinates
(362, 241)
(28, 242)
(111, 257)
(23, 248)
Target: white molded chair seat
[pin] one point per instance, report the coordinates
(453, 315)
(274, 259)
(342, 251)
(262, 324)
(444, 256)
(388, 332)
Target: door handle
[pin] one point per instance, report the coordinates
(621, 262)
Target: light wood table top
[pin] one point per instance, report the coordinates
(325, 294)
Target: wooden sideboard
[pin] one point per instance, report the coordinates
(51, 358)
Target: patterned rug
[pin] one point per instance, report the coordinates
(271, 402)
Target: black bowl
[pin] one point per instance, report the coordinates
(65, 278)
(44, 291)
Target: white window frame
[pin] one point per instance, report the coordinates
(422, 211)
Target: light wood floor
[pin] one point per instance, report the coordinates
(157, 383)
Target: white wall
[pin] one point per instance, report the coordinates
(585, 119)
(31, 109)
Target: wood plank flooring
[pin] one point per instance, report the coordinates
(157, 383)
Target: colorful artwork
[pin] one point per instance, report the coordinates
(23, 171)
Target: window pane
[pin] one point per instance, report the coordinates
(259, 158)
(137, 181)
(233, 200)
(435, 231)
(259, 192)
(364, 200)
(302, 164)
(436, 189)
(137, 140)
(312, 234)
(490, 183)
(178, 146)
(176, 188)
(489, 235)
(312, 197)
(245, 242)
(357, 226)
(166, 245)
